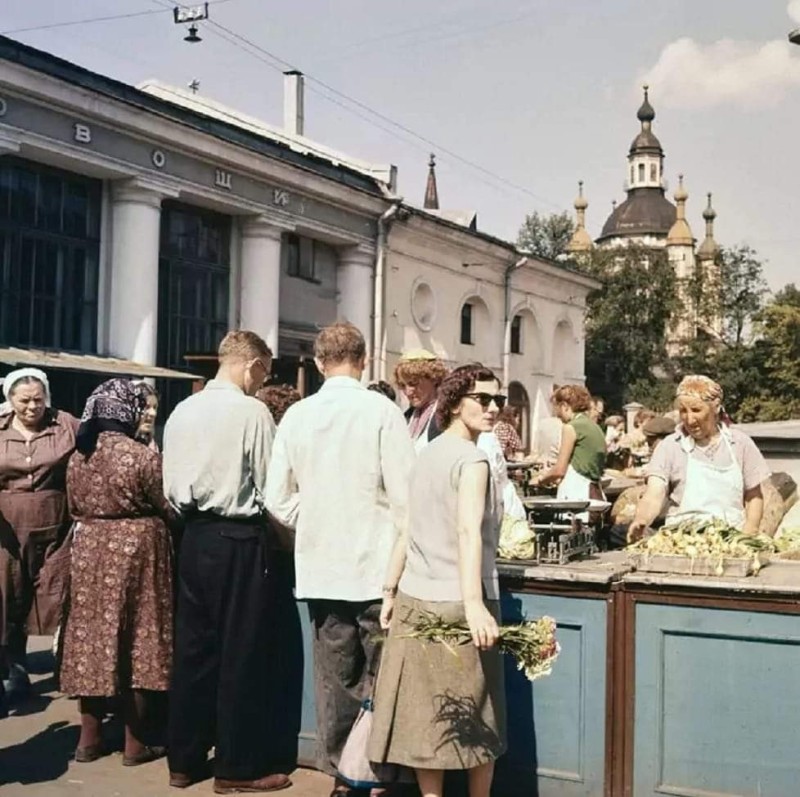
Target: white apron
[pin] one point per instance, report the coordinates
(574, 487)
(712, 492)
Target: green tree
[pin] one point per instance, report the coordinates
(761, 377)
(775, 395)
(733, 295)
(546, 236)
(627, 320)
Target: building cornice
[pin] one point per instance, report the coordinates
(158, 129)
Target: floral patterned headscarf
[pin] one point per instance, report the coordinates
(115, 406)
(700, 387)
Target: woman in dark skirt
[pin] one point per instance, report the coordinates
(438, 708)
(118, 638)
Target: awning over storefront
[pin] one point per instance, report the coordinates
(87, 363)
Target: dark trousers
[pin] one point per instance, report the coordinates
(346, 656)
(238, 668)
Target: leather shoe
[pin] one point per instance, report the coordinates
(182, 780)
(147, 755)
(267, 783)
(85, 755)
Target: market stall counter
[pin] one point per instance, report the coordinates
(559, 727)
(711, 689)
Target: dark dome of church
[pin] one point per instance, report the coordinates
(646, 211)
(646, 112)
(646, 141)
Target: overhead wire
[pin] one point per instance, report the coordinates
(107, 18)
(321, 88)
(282, 64)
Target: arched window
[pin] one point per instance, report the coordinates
(653, 173)
(516, 335)
(641, 172)
(633, 176)
(466, 324)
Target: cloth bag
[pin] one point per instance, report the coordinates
(356, 769)
(52, 588)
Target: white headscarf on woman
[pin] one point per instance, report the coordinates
(22, 373)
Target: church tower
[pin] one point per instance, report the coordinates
(431, 189)
(581, 241)
(646, 216)
(680, 251)
(708, 266)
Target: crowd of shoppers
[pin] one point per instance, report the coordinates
(367, 516)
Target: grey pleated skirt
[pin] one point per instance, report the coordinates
(437, 707)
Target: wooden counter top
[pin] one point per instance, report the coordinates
(602, 568)
(776, 577)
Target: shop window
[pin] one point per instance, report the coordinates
(466, 324)
(193, 292)
(516, 335)
(49, 252)
(301, 257)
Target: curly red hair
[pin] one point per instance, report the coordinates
(575, 396)
(278, 399)
(411, 372)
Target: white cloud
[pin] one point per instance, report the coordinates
(692, 74)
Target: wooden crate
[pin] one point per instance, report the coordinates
(686, 566)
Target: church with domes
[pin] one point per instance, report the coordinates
(646, 217)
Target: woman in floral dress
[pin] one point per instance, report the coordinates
(118, 638)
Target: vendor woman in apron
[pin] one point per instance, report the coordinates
(35, 444)
(707, 469)
(582, 454)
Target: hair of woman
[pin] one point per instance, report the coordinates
(456, 386)
(278, 399)
(576, 397)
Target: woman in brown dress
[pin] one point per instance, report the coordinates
(440, 708)
(118, 638)
(36, 442)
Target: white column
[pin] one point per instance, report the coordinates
(354, 282)
(261, 278)
(135, 234)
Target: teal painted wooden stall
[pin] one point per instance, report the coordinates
(714, 688)
(666, 685)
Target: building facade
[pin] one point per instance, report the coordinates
(144, 223)
(467, 296)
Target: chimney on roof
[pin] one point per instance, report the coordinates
(293, 103)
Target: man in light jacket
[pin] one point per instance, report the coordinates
(339, 475)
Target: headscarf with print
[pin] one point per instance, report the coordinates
(115, 406)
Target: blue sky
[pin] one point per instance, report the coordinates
(541, 93)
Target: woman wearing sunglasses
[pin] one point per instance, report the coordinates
(438, 708)
(582, 455)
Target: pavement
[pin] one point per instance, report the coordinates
(38, 740)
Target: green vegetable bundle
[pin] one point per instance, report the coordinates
(532, 643)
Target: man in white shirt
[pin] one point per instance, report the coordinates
(340, 476)
(235, 605)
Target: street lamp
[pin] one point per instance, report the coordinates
(794, 36)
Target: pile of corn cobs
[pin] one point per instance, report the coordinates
(706, 539)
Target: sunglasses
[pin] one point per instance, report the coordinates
(485, 399)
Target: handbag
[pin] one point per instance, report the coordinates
(52, 588)
(356, 769)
